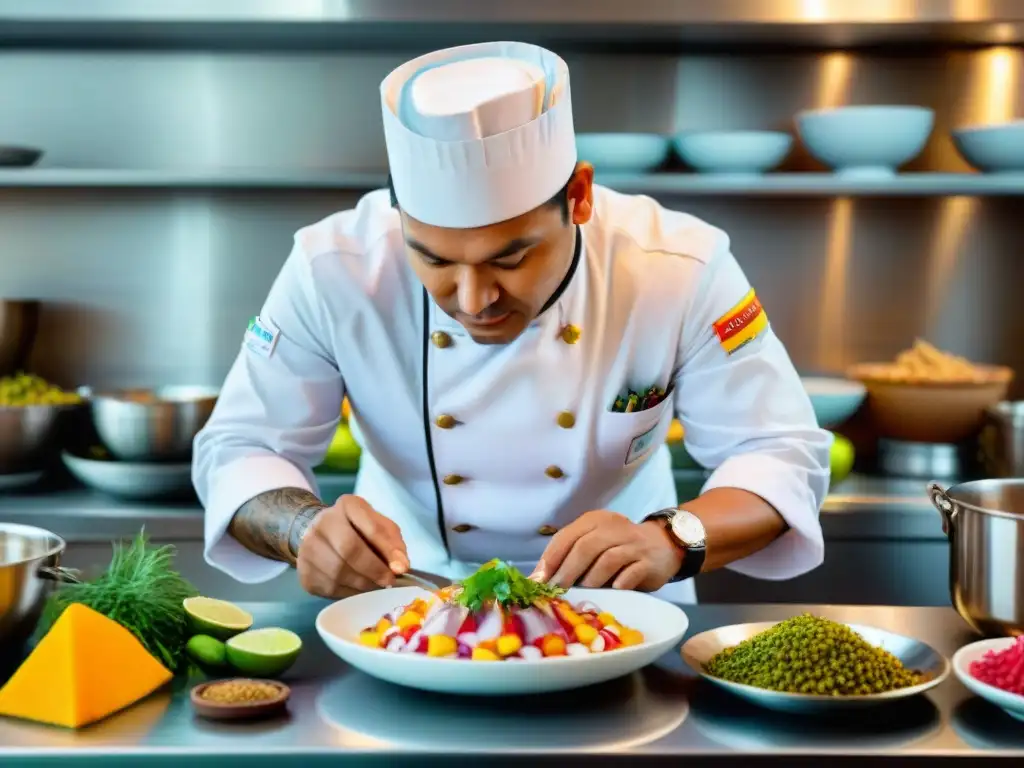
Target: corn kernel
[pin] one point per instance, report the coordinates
(409, 619)
(509, 644)
(553, 645)
(631, 637)
(585, 634)
(606, 619)
(369, 638)
(383, 626)
(482, 654)
(441, 645)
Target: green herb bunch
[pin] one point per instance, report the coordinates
(811, 655)
(500, 582)
(142, 592)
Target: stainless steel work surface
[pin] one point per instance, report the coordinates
(664, 713)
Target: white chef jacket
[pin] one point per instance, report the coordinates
(349, 317)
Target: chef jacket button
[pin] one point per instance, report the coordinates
(547, 530)
(554, 472)
(441, 339)
(453, 479)
(462, 528)
(445, 421)
(571, 334)
(566, 420)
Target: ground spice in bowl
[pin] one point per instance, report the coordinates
(811, 655)
(240, 692)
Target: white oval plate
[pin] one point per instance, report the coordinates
(1010, 703)
(663, 625)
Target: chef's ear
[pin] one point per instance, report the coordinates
(580, 192)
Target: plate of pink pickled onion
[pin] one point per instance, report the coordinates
(994, 670)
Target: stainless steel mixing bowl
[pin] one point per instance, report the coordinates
(30, 435)
(152, 424)
(18, 323)
(29, 560)
(984, 520)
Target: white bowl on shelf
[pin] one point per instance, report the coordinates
(834, 400)
(865, 142)
(1010, 703)
(996, 148)
(662, 623)
(131, 480)
(623, 152)
(733, 152)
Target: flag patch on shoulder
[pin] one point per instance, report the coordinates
(741, 324)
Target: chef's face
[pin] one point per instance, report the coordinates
(496, 279)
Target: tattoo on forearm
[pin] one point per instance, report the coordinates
(273, 523)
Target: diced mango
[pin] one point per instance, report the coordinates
(606, 619)
(489, 645)
(631, 637)
(482, 654)
(569, 616)
(409, 619)
(553, 645)
(585, 634)
(369, 638)
(509, 644)
(418, 606)
(441, 645)
(383, 626)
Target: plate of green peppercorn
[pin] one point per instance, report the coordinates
(808, 664)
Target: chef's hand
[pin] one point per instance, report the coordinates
(350, 547)
(602, 548)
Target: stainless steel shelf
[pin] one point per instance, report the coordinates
(861, 508)
(778, 184)
(361, 23)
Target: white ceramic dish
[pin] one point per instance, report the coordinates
(834, 400)
(914, 654)
(866, 142)
(733, 152)
(997, 148)
(623, 152)
(131, 480)
(1010, 703)
(662, 623)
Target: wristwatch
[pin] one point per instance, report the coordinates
(687, 531)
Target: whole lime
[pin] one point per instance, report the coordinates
(266, 652)
(840, 459)
(208, 652)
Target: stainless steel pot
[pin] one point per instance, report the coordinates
(29, 567)
(1002, 440)
(984, 520)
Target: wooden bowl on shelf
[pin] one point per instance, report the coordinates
(930, 410)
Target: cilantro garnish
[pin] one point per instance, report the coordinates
(500, 582)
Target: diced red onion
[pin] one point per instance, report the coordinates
(576, 649)
(530, 653)
(597, 645)
(395, 644)
(469, 639)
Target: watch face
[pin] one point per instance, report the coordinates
(688, 529)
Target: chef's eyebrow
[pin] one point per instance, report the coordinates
(511, 248)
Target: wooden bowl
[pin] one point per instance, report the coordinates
(930, 411)
(215, 710)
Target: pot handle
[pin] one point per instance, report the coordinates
(59, 574)
(945, 505)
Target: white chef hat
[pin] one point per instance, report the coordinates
(479, 133)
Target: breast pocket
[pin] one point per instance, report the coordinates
(626, 439)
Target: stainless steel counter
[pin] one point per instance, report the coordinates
(661, 715)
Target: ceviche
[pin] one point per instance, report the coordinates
(497, 614)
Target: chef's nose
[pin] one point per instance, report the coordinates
(476, 291)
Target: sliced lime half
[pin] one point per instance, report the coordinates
(264, 652)
(217, 618)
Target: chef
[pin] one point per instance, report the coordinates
(514, 342)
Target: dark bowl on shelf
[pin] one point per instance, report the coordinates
(19, 157)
